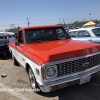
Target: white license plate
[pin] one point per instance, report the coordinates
(85, 79)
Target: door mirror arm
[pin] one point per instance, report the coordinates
(17, 44)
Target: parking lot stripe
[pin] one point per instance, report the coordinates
(6, 61)
(15, 93)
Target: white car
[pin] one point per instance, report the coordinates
(90, 34)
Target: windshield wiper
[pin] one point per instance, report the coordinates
(37, 41)
(60, 38)
(52, 39)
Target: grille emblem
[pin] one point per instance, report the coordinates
(86, 64)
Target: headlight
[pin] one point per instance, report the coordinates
(51, 71)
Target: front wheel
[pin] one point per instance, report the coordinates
(33, 82)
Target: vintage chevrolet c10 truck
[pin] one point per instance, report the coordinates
(52, 59)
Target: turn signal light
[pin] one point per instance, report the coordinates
(99, 73)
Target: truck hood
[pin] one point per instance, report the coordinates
(61, 49)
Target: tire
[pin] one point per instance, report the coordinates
(14, 61)
(32, 80)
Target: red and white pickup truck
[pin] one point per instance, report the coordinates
(52, 59)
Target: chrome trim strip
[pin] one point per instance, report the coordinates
(70, 59)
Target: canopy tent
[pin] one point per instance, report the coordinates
(90, 23)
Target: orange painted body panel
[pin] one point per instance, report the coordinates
(51, 51)
(62, 49)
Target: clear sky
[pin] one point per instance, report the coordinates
(40, 12)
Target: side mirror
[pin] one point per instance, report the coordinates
(17, 43)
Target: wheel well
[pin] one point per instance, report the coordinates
(10, 52)
(27, 67)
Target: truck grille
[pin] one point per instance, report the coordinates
(78, 65)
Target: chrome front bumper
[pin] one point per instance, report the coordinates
(75, 79)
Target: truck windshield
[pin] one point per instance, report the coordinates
(37, 35)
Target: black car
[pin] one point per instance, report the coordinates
(5, 37)
(4, 46)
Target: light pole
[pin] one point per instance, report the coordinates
(90, 16)
(84, 19)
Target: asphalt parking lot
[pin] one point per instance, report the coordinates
(16, 86)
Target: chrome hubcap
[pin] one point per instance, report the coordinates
(32, 79)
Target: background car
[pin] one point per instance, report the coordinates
(90, 34)
(5, 37)
(69, 28)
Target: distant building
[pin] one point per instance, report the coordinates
(13, 30)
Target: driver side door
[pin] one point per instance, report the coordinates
(20, 49)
